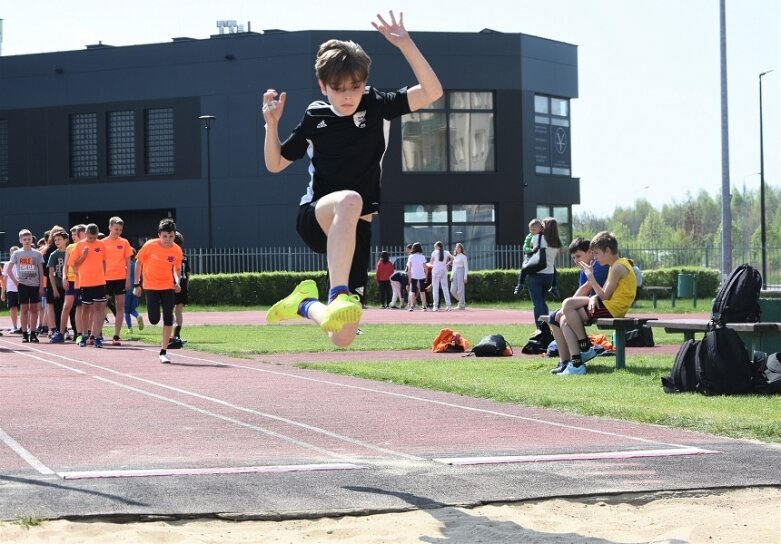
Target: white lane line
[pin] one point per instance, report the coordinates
(625, 454)
(215, 415)
(311, 428)
(28, 457)
(442, 403)
(142, 473)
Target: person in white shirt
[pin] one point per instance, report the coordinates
(440, 260)
(416, 272)
(459, 275)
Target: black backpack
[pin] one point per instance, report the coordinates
(737, 300)
(722, 363)
(641, 337)
(492, 346)
(767, 373)
(683, 377)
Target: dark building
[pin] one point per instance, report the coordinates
(114, 130)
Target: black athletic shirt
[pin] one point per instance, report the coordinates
(346, 151)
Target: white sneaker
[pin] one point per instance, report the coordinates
(164, 359)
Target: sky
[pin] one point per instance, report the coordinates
(646, 123)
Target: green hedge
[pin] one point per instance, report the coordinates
(265, 288)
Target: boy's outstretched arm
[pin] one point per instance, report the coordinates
(272, 147)
(428, 88)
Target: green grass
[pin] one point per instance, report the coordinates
(249, 340)
(632, 394)
(28, 521)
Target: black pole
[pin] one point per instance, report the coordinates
(762, 228)
(207, 121)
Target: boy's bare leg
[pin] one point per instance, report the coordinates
(66, 312)
(119, 305)
(338, 215)
(561, 341)
(98, 318)
(571, 309)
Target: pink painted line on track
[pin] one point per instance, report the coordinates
(574, 456)
(98, 474)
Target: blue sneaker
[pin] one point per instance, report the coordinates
(98, 342)
(587, 355)
(58, 338)
(83, 341)
(573, 370)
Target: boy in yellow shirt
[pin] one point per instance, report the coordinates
(611, 300)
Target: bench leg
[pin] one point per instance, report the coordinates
(653, 298)
(620, 346)
(672, 298)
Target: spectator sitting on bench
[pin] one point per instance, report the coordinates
(612, 300)
(579, 251)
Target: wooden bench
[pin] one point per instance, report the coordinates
(762, 336)
(620, 325)
(654, 290)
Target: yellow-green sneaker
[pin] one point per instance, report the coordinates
(287, 308)
(343, 310)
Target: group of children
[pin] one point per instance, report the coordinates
(76, 277)
(421, 276)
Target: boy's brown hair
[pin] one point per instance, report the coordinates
(339, 60)
(605, 240)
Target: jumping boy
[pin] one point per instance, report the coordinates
(612, 300)
(158, 263)
(25, 269)
(346, 140)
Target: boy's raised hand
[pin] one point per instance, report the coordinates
(273, 107)
(394, 31)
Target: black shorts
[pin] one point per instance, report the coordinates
(29, 294)
(182, 297)
(90, 295)
(115, 288)
(12, 299)
(313, 236)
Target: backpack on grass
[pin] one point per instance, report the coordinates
(641, 337)
(683, 376)
(767, 373)
(722, 363)
(737, 300)
(492, 346)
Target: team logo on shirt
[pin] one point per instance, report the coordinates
(321, 124)
(170, 259)
(96, 250)
(359, 118)
(119, 246)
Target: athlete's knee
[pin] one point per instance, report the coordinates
(350, 204)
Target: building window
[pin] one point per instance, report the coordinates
(454, 134)
(474, 225)
(159, 141)
(3, 150)
(562, 216)
(552, 153)
(121, 126)
(84, 145)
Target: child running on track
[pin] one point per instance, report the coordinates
(345, 138)
(158, 263)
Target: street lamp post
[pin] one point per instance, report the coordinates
(207, 124)
(763, 232)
